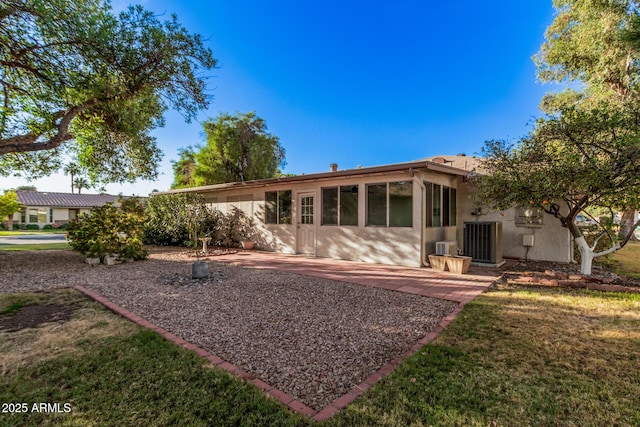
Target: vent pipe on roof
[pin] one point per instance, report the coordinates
(333, 167)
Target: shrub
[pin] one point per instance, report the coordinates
(32, 227)
(47, 227)
(110, 230)
(178, 219)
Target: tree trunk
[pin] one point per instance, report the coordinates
(586, 255)
(626, 222)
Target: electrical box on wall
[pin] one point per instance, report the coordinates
(527, 240)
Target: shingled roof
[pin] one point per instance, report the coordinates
(65, 200)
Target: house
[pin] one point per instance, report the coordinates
(393, 214)
(42, 208)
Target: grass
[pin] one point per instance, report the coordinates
(626, 261)
(35, 247)
(26, 232)
(514, 356)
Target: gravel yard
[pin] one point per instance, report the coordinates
(309, 337)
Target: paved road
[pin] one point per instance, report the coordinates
(32, 239)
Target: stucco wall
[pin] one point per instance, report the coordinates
(551, 241)
(385, 245)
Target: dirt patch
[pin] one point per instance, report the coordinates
(35, 315)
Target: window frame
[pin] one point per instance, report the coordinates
(276, 214)
(387, 205)
(446, 212)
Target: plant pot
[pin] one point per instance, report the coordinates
(438, 262)
(247, 244)
(112, 259)
(92, 261)
(199, 269)
(458, 264)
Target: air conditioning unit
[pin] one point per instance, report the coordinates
(482, 241)
(446, 247)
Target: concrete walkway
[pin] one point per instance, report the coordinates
(460, 288)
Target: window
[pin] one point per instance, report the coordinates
(284, 207)
(271, 207)
(401, 204)
(441, 205)
(529, 217)
(306, 210)
(330, 206)
(37, 215)
(349, 205)
(277, 207)
(437, 196)
(377, 204)
(396, 210)
(340, 205)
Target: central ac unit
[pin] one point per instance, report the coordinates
(482, 241)
(446, 247)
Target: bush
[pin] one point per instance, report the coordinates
(32, 227)
(178, 219)
(47, 227)
(110, 230)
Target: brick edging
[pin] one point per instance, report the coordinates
(284, 398)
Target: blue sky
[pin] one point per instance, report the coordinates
(360, 83)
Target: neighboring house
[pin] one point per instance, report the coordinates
(394, 214)
(43, 208)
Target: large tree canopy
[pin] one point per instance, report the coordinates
(238, 148)
(586, 152)
(77, 78)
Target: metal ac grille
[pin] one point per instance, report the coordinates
(480, 241)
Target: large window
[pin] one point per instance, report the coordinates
(440, 205)
(390, 204)
(340, 205)
(401, 204)
(330, 206)
(37, 215)
(277, 207)
(377, 204)
(349, 205)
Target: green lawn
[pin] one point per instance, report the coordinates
(514, 356)
(35, 247)
(25, 232)
(626, 261)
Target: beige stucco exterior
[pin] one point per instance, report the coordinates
(407, 245)
(551, 241)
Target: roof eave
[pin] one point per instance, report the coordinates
(410, 166)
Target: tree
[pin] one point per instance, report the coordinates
(594, 43)
(73, 169)
(586, 160)
(26, 188)
(81, 183)
(77, 79)
(9, 205)
(585, 152)
(184, 168)
(238, 148)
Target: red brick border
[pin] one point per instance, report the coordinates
(289, 401)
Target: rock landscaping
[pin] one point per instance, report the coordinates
(312, 338)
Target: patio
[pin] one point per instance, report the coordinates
(420, 281)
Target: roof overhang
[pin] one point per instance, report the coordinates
(347, 173)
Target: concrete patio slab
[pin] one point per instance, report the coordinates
(427, 282)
